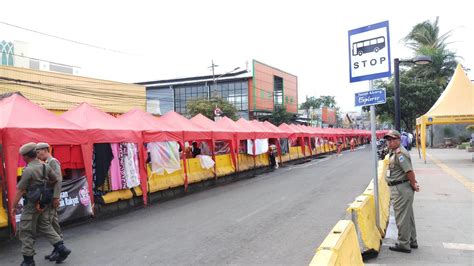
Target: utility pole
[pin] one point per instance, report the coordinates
(213, 66)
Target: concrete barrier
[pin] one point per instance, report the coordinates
(262, 160)
(295, 152)
(118, 195)
(362, 212)
(224, 165)
(196, 173)
(245, 162)
(340, 247)
(3, 212)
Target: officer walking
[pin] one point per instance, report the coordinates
(42, 150)
(35, 218)
(403, 185)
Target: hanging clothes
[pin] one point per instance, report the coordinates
(131, 165)
(206, 161)
(101, 164)
(164, 157)
(123, 174)
(70, 156)
(115, 176)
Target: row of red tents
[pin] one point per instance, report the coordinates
(22, 121)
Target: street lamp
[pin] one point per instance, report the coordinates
(418, 60)
(216, 78)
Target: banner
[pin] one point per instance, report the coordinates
(75, 201)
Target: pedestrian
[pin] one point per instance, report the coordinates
(405, 140)
(272, 154)
(410, 141)
(402, 182)
(36, 183)
(42, 150)
(339, 147)
(352, 143)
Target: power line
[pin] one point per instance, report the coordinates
(65, 39)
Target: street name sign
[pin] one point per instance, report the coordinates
(372, 97)
(369, 52)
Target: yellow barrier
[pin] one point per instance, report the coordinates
(340, 247)
(307, 150)
(262, 160)
(3, 212)
(285, 157)
(224, 165)
(115, 196)
(295, 152)
(158, 182)
(362, 211)
(245, 162)
(196, 173)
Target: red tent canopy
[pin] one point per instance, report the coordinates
(241, 132)
(293, 133)
(140, 120)
(101, 127)
(219, 132)
(22, 121)
(176, 127)
(260, 133)
(280, 133)
(104, 128)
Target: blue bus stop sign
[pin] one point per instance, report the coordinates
(369, 52)
(372, 97)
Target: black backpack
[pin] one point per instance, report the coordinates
(41, 194)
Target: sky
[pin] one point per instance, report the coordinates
(152, 40)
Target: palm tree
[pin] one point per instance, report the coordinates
(425, 39)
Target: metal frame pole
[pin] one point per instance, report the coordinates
(396, 92)
(375, 159)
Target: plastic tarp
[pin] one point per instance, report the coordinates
(206, 161)
(22, 121)
(164, 157)
(261, 146)
(454, 106)
(104, 128)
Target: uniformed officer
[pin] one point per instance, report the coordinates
(42, 150)
(403, 185)
(35, 220)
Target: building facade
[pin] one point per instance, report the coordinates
(255, 93)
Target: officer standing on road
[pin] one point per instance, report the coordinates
(42, 150)
(35, 218)
(403, 185)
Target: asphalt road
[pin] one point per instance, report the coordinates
(275, 218)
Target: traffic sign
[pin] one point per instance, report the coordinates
(369, 52)
(372, 97)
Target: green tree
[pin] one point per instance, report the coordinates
(280, 116)
(206, 107)
(420, 85)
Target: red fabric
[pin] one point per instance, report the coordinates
(260, 133)
(22, 121)
(104, 128)
(21, 162)
(70, 156)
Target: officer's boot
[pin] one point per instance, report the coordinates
(53, 256)
(28, 261)
(62, 251)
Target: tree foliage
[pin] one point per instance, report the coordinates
(206, 107)
(420, 85)
(280, 116)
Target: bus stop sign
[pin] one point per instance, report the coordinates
(369, 52)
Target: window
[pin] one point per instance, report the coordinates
(277, 92)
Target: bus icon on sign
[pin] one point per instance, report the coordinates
(368, 46)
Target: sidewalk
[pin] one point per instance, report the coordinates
(444, 212)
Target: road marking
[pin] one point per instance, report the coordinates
(459, 246)
(462, 179)
(260, 209)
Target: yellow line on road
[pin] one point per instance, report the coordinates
(462, 179)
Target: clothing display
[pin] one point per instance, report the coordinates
(261, 146)
(164, 157)
(206, 161)
(115, 175)
(284, 146)
(70, 156)
(130, 161)
(222, 147)
(102, 157)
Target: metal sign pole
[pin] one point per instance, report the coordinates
(375, 159)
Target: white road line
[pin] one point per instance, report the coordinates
(459, 246)
(260, 209)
